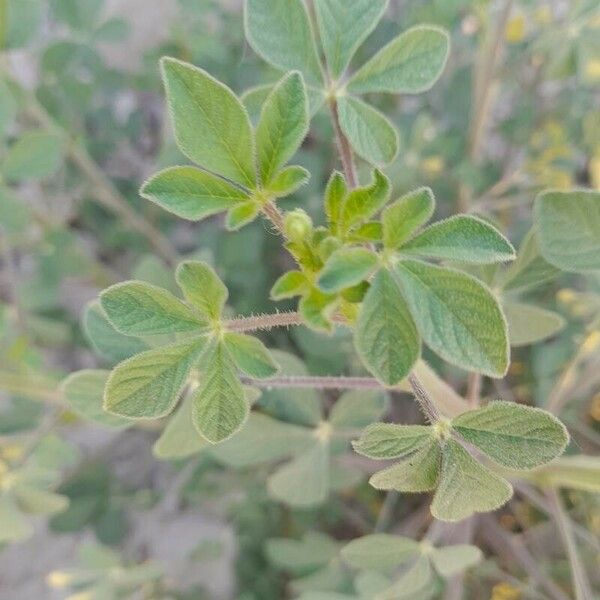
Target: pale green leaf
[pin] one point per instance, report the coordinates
(457, 316)
(512, 435)
(14, 527)
(35, 155)
(211, 125)
(105, 339)
(409, 64)
(262, 440)
(241, 215)
(528, 324)
(250, 355)
(179, 438)
(388, 440)
(138, 308)
(202, 287)
(568, 229)
(371, 134)
(363, 202)
(191, 193)
(219, 406)
(402, 218)
(573, 472)
(288, 180)
(335, 193)
(357, 408)
(380, 551)
(450, 560)
(8, 107)
(290, 284)
(346, 267)
(316, 309)
(33, 500)
(417, 473)
(411, 583)
(147, 386)
(462, 238)
(344, 27)
(304, 481)
(386, 337)
(283, 125)
(280, 32)
(466, 486)
(84, 393)
(314, 550)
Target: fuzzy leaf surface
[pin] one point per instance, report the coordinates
(363, 202)
(250, 355)
(346, 267)
(402, 218)
(388, 440)
(379, 551)
(528, 324)
(202, 287)
(450, 560)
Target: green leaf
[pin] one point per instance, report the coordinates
(138, 308)
(14, 527)
(312, 551)
(417, 473)
(39, 502)
(179, 438)
(35, 155)
(304, 481)
(457, 316)
(105, 339)
(211, 125)
(371, 134)
(283, 125)
(528, 324)
(568, 229)
(346, 267)
(219, 406)
(363, 202)
(402, 218)
(344, 27)
(357, 408)
(250, 355)
(290, 284)
(380, 551)
(573, 472)
(450, 560)
(316, 309)
(409, 64)
(462, 238)
(191, 193)
(84, 392)
(280, 32)
(388, 440)
(288, 180)
(386, 337)
(262, 440)
(148, 385)
(512, 435)
(202, 287)
(8, 107)
(411, 583)
(241, 215)
(78, 14)
(335, 194)
(466, 486)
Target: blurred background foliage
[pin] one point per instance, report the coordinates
(82, 124)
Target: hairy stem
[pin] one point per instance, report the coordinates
(317, 382)
(274, 215)
(424, 399)
(343, 146)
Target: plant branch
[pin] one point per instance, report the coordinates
(317, 382)
(274, 215)
(102, 188)
(425, 402)
(581, 584)
(343, 146)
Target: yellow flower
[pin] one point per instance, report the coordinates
(433, 165)
(515, 29)
(505, 591)
(58, 579)
(592, 69)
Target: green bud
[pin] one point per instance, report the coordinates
(298, 225)
(328, 246)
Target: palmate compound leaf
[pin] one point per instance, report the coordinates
(219, 405)
(461, 238)
(370, 133)
(380, 551)
(211, 125)
(137, 308)
(568, 229)
(409, 64)
(191, 193)
(386, 337)
(280, 32)
(346, 267)
(512, 435)
(528, 324)
(202, 288)
(466, 486)
(405, 216)
(457, 316)
(344, 27)
(282, 126)
(147, 386)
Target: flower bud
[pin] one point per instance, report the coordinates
(298, 225)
